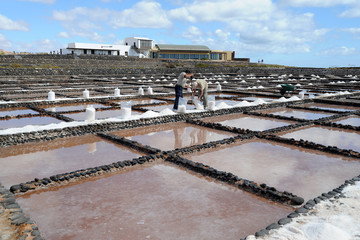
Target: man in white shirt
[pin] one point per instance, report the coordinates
(180, 85)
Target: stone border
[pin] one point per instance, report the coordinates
(25, 227)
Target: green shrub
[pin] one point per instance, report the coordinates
(16, 65)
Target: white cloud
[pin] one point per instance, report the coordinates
(63, 35)
(144, 14)
(8, 24)
(41, 1)
(353, 12)
(86, 22)
(192, 33)
(223, 36)
(352, 30)
(250, 29)
(338, 51)
(223, 11)
(5, 44)
(317, 3)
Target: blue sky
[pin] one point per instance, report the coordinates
(305, 33)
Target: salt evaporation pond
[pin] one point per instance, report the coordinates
(21, 122)
(303, 172)
(252, 99)
(22, 163)
(16, 111)
(81, 116)
(153, 202)
(353, 121)
(333, 107)
(247, 122)
(72, 107)
(302, 114)
(173, 135)
(327, 136)
(141, 101)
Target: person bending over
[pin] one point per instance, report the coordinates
(202, 85)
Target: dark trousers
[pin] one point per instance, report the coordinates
(178, 94)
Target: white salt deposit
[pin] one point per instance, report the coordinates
(222, 105)
(294, 98)
(258, 101)
(335, 219)
(242, 104)
(166, 111)
(149, 114)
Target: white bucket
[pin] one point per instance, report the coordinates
(86, 93)
(51, 96)
(126, 109)
(150, 91)
(117, 92)
(90, 114)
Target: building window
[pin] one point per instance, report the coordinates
(92, 51)
(164, 55)
(85, 51)
(174, 56)
(194, 56)
(145, 44)
(126, 54)
(214, 56)
(109, 52)
(204, 56)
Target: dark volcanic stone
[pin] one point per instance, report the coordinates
(273, 226)
(297, 201)
(284, 221)
(15, 188)
(302, 210)
(262, 233)
(293, 215)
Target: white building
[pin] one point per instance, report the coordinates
(133, 47)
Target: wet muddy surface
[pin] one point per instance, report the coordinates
(328, 136)
(25, 162)
(303, 172)
(172, 136)
(247, 122)
(157, 202)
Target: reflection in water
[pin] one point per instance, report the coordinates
(91, 147)
(328, 137)
(173, 135)
(302, 114)
(179, 135)
(353, 121)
